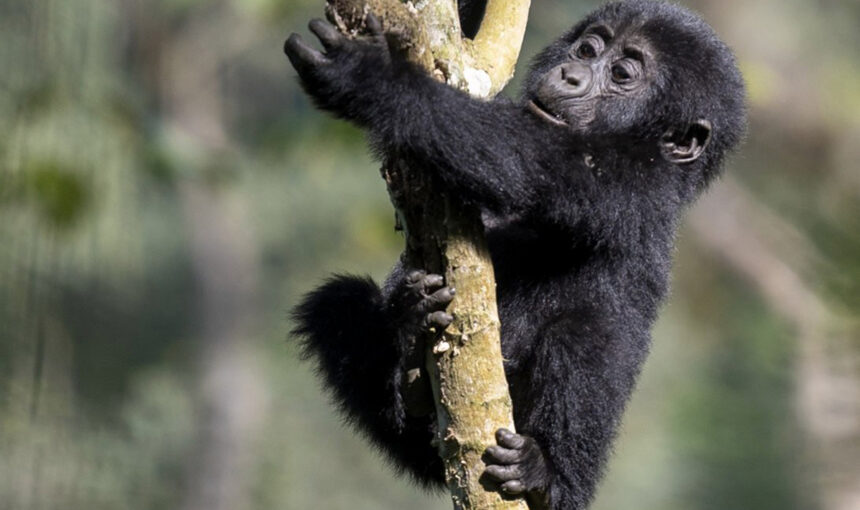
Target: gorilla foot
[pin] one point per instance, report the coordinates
(516, 465)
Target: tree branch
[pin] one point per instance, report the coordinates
(465, 364)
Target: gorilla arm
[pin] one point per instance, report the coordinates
(479, 149)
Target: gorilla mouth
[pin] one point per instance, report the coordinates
(545, 113)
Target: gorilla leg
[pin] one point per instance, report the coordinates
(357, 337)
(584, 368)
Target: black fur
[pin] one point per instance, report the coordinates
(471, 14)
(580, 225)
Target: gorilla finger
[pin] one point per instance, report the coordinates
(415, 276)
(508, 439)
(440, 320)
(503, 473)
(373, 25)
(438, 300)
(326, 32)
(432, 282)
(444, 295)
(513, 487)
(301, 55)
(500, 455)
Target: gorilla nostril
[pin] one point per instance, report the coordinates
(575, 75)
(570, 77)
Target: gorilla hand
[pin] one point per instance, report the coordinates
(346, 76)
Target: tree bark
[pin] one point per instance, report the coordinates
(443, 235)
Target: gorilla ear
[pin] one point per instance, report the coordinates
(686, 146)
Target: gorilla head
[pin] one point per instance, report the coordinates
(650, 73)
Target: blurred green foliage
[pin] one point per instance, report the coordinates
(114, 116)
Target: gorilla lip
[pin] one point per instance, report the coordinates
(541, 111)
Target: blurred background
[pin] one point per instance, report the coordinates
(167, 193)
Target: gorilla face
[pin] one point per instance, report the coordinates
(606, 74)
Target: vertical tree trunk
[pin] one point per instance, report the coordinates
(443, 235)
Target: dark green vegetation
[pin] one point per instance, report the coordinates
(166, 192)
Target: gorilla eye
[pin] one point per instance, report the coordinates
(620, 74)
(589, 48)
(625, 71)
(586, 51)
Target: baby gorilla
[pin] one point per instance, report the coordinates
(624, 121)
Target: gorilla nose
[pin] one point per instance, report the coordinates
(577, 76)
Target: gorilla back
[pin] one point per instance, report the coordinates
(623, 122)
